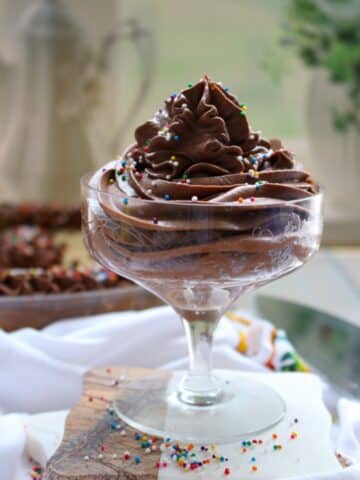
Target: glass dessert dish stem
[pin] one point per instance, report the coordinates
(199, 387)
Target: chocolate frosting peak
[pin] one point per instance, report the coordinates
(202, 131)
(200, 147)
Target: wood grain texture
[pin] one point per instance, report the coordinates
(90, 443)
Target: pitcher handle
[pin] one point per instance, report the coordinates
(144, 42)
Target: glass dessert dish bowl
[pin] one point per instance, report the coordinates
(199, 257)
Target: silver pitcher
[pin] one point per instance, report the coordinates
(57, 127)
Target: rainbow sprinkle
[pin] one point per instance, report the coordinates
(187, 457)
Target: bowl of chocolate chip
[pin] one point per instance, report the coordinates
(46, 274)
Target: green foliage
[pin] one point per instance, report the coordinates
(326, 33)
(275, 64)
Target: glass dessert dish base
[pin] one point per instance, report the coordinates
(243, 408)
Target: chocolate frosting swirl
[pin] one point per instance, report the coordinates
(201, 145)
(208, 134)
(199, 149)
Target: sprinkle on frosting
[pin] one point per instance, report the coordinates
(199, 139)
(200, 179)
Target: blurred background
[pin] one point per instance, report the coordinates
(77, 76)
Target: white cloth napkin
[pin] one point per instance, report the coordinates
(42, 371)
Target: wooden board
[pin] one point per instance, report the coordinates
(93, 450)
(94, 442)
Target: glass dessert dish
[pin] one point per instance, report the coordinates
(198, 224)
(200, 270)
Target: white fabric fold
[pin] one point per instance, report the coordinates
(42, 371)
